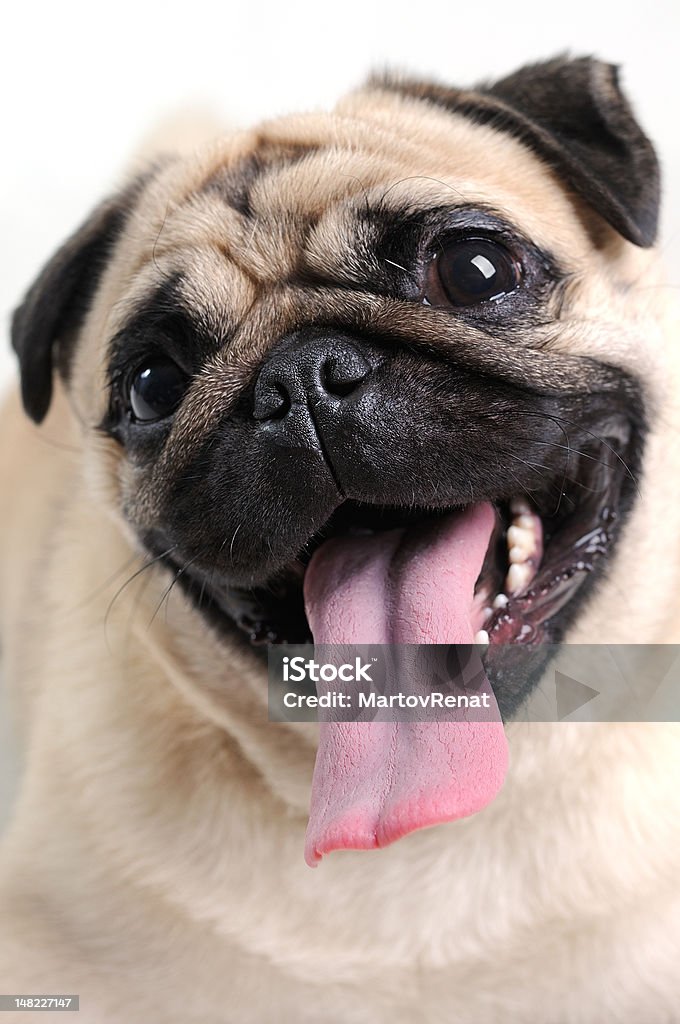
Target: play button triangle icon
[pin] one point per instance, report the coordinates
(571, 695)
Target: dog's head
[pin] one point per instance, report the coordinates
(400, 324)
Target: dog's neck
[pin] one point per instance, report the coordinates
(171, 712)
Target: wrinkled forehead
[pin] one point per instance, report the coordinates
(321, 196)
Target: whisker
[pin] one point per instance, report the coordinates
(231, 546)
(207, 581)
(520, 484)
(166, 593)
(559, 419)
(136, 601)
(147, 565)
(418, 177)
(353, 177)
(549, 470)
(158, 237)
(573, 451)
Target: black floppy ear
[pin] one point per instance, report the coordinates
(574, 116)
(45, 324)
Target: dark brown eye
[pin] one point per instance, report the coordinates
(156, 389)
(471, 270)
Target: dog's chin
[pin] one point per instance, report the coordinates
(547, 549)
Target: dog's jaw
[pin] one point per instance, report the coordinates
(545, 557)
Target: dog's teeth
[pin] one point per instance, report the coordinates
(487, 612)
(519, 537)
(520, 506)
(517, 554)
(519, 576)
(500, 601)
(482, 638)
(524, 540)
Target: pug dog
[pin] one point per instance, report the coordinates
(402, 373)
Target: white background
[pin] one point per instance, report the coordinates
(82, 83)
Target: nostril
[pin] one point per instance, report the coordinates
(272, 401)
(343, 372)
(299, 377)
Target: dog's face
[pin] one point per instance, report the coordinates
(350, 327)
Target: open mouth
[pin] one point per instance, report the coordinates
(547, 547)
(508, 571)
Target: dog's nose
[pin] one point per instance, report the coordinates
(325, 371)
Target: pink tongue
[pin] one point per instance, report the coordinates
(374, 782)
